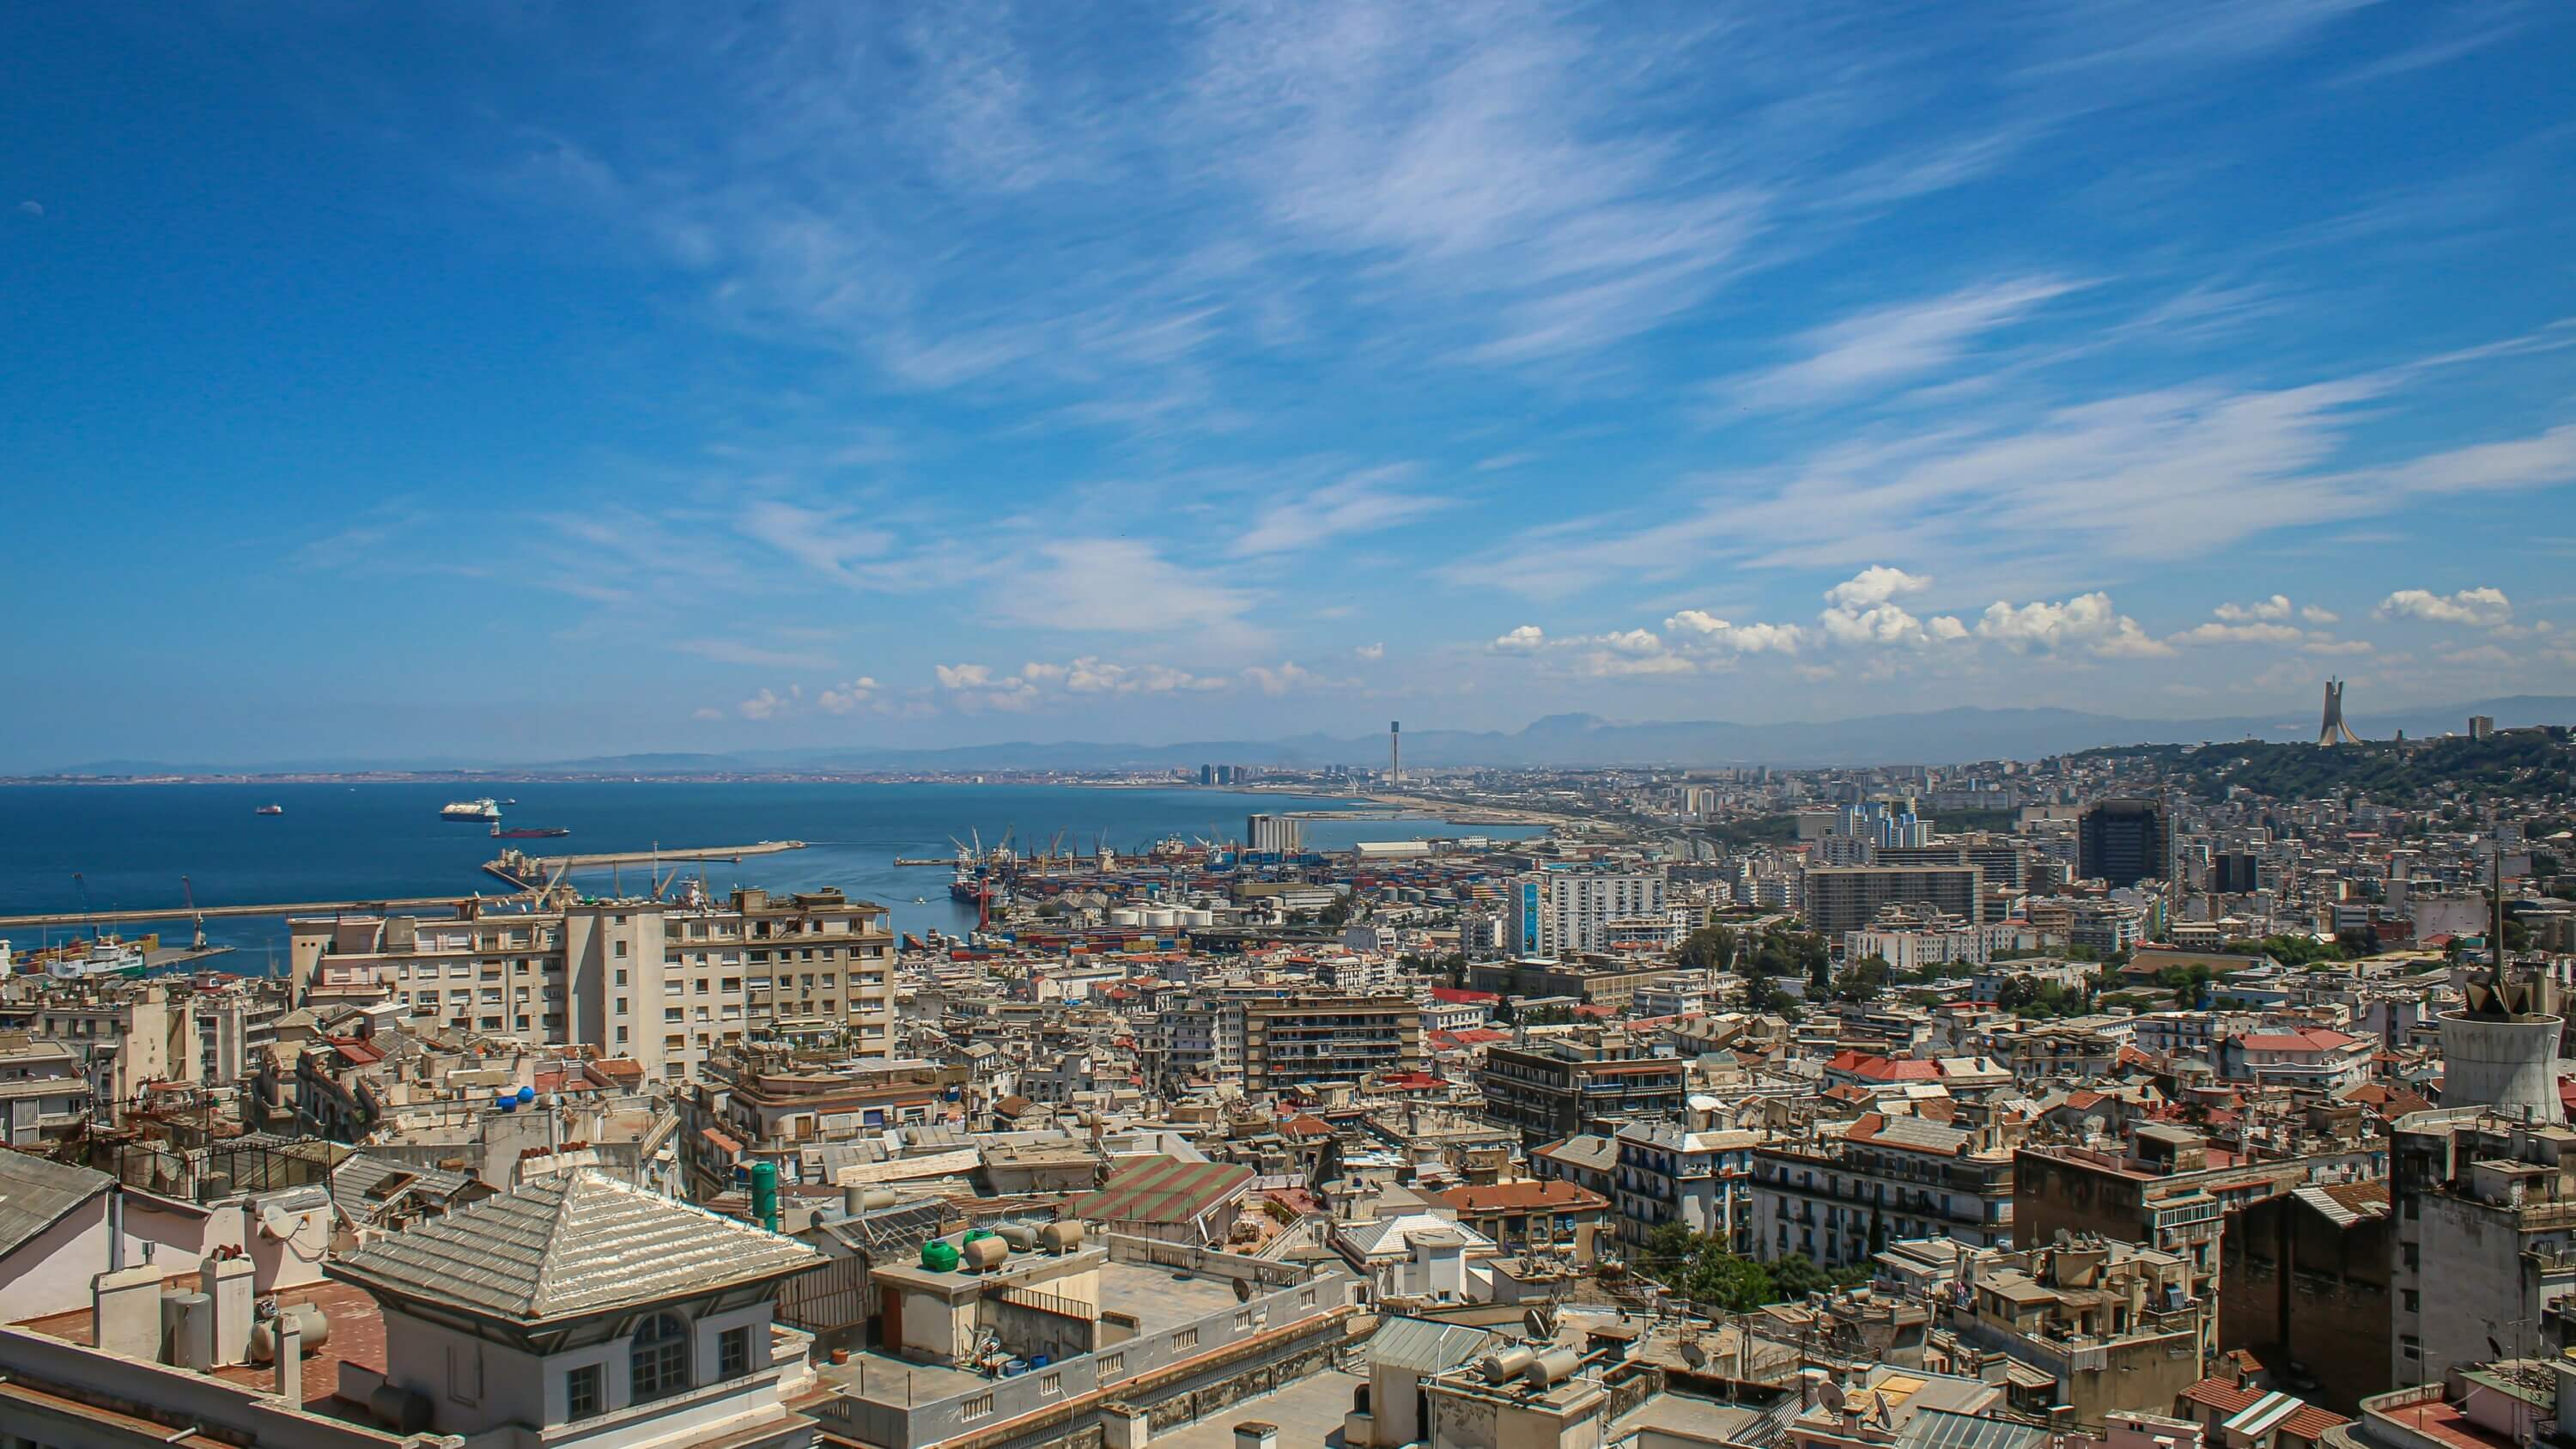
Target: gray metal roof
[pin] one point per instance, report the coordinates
(570, 1245)
(1420, 1346)
(891, 1232)
(362, 1184)
(35, 1192)
(1943, 1429)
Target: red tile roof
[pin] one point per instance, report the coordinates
(1550, 1194)
(1884, 1069)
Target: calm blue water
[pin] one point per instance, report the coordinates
(340, 842)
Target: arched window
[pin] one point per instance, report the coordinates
(659, 1357)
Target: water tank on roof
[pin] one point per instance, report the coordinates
(939, 1256)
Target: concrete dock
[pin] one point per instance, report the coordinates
(528, 872)
(451, 902)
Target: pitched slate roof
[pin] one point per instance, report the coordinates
(36, 1192)
(567, 1246)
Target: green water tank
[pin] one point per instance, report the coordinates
(974, 1235)
(939, 1256)
(764, 1194)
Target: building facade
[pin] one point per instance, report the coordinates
(662, 983)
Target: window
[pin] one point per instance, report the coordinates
(621, 973)
(581, 1392)
(465, 1372)
(976, 1407)
(659, 1357)
(733, 1353)
(620, 951)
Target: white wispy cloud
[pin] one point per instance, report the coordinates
(1362, 503)
(1121, 586)
(1891, 345)
(736, 651)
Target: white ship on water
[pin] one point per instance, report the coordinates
(106, 956)
(476, 811)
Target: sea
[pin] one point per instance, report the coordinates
(129, 845)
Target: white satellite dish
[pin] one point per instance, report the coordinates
(1830, 1394)
(274, 1222)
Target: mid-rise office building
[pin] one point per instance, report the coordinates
(2125, 842)
(1568, 912)
(1301, 1041)
(1841, 899)
(1594, 1082)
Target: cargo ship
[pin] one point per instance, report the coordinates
(270, 810)
(486, 808)
(528, 832)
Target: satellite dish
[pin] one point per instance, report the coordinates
(1540, 1323)
(1830, 1394)
(274, 1222)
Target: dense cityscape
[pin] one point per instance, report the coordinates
(1546, 724)
(2159, 1096)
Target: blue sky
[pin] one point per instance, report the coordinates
(525, 381)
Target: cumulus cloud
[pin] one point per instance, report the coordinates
(2085, 621)
(2478, 608)
(2336, 646)
(2275, 607)
(1862, 610)
(2246, 633)
(846, 698)
(1703, 629)
(1092, 675)
(963, 676)
(1524, 640)
(707, 712)
(1371, 652)
(1609, 664)
(2315, 615)
(1635, 643)
(1290, 675)
(1875, 585)
(770, 704)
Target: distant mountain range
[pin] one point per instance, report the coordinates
(1937, 737)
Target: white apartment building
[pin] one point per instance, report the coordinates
(662, 983)
(1555, 913)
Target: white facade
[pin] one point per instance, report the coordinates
(1558, 913)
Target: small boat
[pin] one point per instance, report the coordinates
(270, 810)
